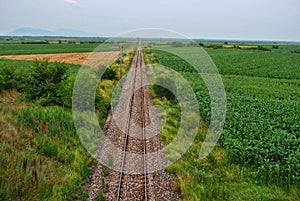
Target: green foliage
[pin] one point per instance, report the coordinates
(214, 46)
(44, 81)
(109, 74)
(281, 65)
(4, 194)
(8, 78)
(14, 49)
(35, 42)
(161, 90)
(261, 130)
(55, 121)
(43, 158)
(262, 88)
(100, 197)
(65, 92)
(260, 47)
(264, 134)
(85, 91)
(172, 61)
(23, 75)
(296, 51)
(48, 149)
(216, 177)
(85, 195)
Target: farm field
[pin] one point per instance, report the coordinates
(261, 133)
(256, 158)
(16, 46)
(93, 60)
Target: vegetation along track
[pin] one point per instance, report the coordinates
(134, 129)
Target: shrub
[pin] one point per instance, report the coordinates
(109, 74)
(161, 91)
(44, 81)
(65, 92)
(8, 79)
(260, 47)
(215, 46)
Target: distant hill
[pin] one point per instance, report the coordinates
(28, 31)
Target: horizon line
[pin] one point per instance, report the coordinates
(157, 38)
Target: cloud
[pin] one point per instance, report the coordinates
(71, 2)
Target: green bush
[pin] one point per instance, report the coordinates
(8, 78)
(109, 74)
(65, 92)
(44, 81)
(161, 91)
(260, 47)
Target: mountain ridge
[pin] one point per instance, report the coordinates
(29, 31)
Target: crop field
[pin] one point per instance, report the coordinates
(90, 59)
(48, 46)
(262, 128)
(257, 63)
(11, 49)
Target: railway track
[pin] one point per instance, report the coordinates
(137, 100)
(134, 129)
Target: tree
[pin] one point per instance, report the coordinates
(201, 44)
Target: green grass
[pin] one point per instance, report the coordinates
(41, 157)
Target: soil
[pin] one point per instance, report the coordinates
(93, 59)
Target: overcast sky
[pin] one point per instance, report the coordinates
(220, 19)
